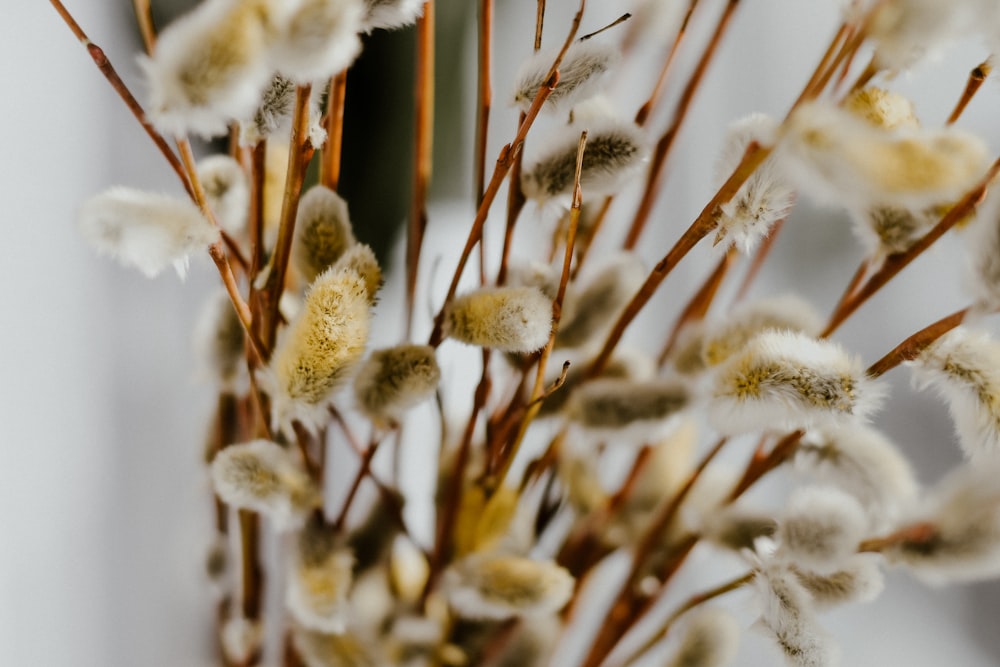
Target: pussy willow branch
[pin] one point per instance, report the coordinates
(702, 225)
(422, 152)
(299, 153)
(503, 164)
(911, 348)
(484, 99)
(661, 80)
(895, 263)
(658, 161)
(538, 390)
(334, 148)
(215, 250)
(922, 532)
(101, 60)
(255, 219)
(977, 77)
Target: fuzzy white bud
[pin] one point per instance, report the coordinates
(786, 380)
(765, 198)
(595, 308)
(711, 637)
(145, 230)
(227, 190)
(614, 152)
(319, 579)
(210, 66)
(499, 587)
(219, 342)
(582, 71)
(858, 580)
(510, 319)
(240, 638)
(323, 231)
(839, 158)
(863, 462)
(821, 528)
(318, 40)
(626, 410)
(395, 379)
(264, 477)
(723, 339)
(391, 14)
(964, 366)
(320, 348)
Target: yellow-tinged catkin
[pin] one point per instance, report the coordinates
(319, 579)
(323, 232)
(510, 319)
(882, 108)
(321, 347)
(210, 65)
(723, 339)
(394, 379)
(492, 586)
(264, 477)
(360, 259)
(350, 649)
(483, 521)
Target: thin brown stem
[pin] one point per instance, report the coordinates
(255, 219)
(702, 225)
(630, 602)
(422, 152)
(895, 263)
(332, 151)
(366, 461)
(539, 23)
(299, 153)
(911, 348)
(538, 391)
(646, 109)
(761, 463)
(918, 533)
(977, 77)
(103, 64)
(484, 100)
(216, 251)
(666, 142)
(144, 17)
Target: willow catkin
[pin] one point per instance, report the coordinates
(227, 190)
(323, 231)
(786, 380)
(614, 152)
(392, 380)
(584, 68)
(145, 230)
(318, 39)
(510, 319)
(596, 307)
(498, 587)
(320, 348)
(821, 528)
(220, 342)
(319, 579)
(391, 14)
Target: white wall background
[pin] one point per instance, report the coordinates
(103, 509)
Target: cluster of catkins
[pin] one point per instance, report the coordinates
(497, 589)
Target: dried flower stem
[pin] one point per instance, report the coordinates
(539, 23)
(666, 141)
(144, 17)
(977, 77)
(255, 219)
(646, 109)
(692, 602)
(422, 152)
(253, 575)
(700, 302)
(332, 151)
(912, 347)
(897, 262)
(103, 64)
(299, 154)
(702, 225)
